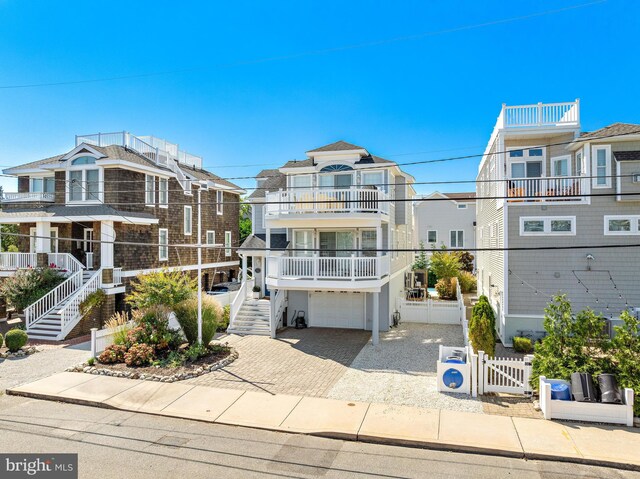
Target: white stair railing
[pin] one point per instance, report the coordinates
(65, 261)
(70, 313)
(236, 304)
(278, 304)
(44, 305)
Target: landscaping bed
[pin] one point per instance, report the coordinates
(216, 357)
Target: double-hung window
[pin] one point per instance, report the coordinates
(163, 241)
(369, 243)
(42, 185)
(456, 238)
(432, 236)
(163, 192)
(219, 201)
(188, 221)
(211, 237)
(561, 166)
(374, 178)
(601, 166)
(547, 225)
(227, 243)
(622, 225)
(150, 190)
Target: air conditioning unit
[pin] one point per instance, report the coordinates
(636, 177)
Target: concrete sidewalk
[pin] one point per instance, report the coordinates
(371, 422)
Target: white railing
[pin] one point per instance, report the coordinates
(103, 338)
(70, 313)
(44, 305)
(333, 268)
(550, 189)
(540, 114)
(13, 261)
(429, 311)
(504, 375)
(347, 200)
(117, 276)
(27, 196)
(278, 304)
(157, 150)
(236, 304)
(65, 261)
(89, 259)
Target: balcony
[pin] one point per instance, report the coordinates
(540, 115)
(27, 197)
(344, 273)
(356, 205)
(548, 190)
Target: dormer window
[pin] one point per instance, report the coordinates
(335, 168)
(336, 176)
(83, 180)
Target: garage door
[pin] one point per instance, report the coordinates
(336, 310)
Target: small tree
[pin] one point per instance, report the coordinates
(483, 308)
(421, 261)
(9, 238)
(161, 288)
(29, 285)
(482, 331)
(245, 221)
(444, 264)
(466, 260)
(625, 353)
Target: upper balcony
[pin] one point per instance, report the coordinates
(540, 115)
(327, 272)
(558, 189)
(27, 197)
(356, 206)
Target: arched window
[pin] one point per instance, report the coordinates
(84, 160)
(335, 168)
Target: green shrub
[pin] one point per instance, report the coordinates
(431, 279)
(92, 301)
(113, 353)
(522, 345)
(444, 265)
(625, 355)
(256, 289)
(91, 361)
(15, 339)
(466, 260)
(224, 320)
(1, 340)
(481, 335)
(29, 285)
(187, 315)
(483, 308)
(468, 282)
(574, 343)
(161, 288)
(119, 326)
(421, 262)
(139, 355)
(446, 288)
(196, 351)
(153, 329)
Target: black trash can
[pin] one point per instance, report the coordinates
(582, 387)
(609, 391)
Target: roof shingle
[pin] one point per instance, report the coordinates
(339, 145)
(612, 130)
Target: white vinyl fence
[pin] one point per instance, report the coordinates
(433, 311)
(101, 338)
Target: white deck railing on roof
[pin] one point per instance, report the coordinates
(344, 200)
(540, 114)
(26, 196)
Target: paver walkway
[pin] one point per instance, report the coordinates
(400, 425)
(300, 361)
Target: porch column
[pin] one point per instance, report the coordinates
(379, 240)
(107, 237)
(43, 243)
(244, 268)
(267, 253)
(375, 333)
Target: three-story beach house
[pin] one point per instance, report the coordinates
(545, 184)
(114, 206)
(326, 231)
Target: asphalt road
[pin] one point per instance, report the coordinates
(117, 444)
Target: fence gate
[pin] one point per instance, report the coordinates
(504, 375)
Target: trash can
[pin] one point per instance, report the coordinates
(609, 391)
(560, 391)
(582, 387)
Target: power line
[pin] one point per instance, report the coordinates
(305, 53)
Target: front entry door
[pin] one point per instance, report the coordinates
(88, 248)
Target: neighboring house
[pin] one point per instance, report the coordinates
(446, 219)
(556, 186)
(320, 228)
(140, 192)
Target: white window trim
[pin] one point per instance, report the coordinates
(525, 158)
(547, 226)
(436, 240)
(162, 204)
(580, 156)
(162, 247)
(152, 191)
(83, 169)
(594, 166)
(227, 243)
(220, 202)
(456, 246)
(43, 179)
(206, 237)
(291, 177)
(560, 158)
(190, 216)
(633, 219)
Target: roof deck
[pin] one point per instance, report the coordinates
(540, 115)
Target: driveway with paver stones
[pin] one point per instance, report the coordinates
(305, 362)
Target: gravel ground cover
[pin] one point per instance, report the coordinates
(402, 370)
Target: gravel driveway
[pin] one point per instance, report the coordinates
(402, 370)
(50, 360)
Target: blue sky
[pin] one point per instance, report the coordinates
(253, 83)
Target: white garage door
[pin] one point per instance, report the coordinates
(336, 310)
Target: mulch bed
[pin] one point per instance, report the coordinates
(167, 371)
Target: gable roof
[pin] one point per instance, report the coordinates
(259, 241)
(464, 196)
(612, 130)
(273, 181)
(365, 160)
(339, 145)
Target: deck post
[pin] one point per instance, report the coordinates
(375, 333)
